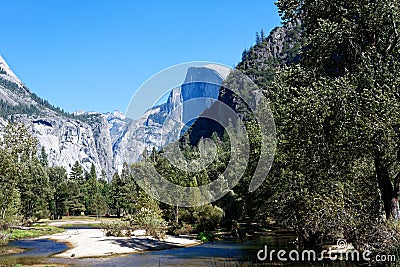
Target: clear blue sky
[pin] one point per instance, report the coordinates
(93, 54)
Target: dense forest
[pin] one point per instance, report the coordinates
(32, 190)
(333, 89)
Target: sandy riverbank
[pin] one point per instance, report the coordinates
(86, 243)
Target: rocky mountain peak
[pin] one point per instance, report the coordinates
(116, 115)
(202, 74)
(7, 74)
(271, 53)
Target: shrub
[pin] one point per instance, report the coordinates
(204, 237)
(4, 238)
(207, 217)
(180, 228)
(151, 221)
(116, 228)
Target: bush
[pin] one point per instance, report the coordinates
(4, 238)
(180, 228)
(207, 217)
(151, 221)
(116, 228)
(378, 237)
(205, 237)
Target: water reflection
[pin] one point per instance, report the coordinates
(36, 251)
(222, 253)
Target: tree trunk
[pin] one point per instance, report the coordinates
(55, 207)
(177, 213)
(395, 199)
(389, 192)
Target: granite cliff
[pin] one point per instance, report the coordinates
(106, 140)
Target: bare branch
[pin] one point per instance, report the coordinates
(395, 40)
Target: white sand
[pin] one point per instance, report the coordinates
(93, 243)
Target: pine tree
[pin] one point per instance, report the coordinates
(43, 157)
(75, 200)
(258, 40)
(9, 195)
(92, 187)
(76, 173)
(145, 155)
(30, 178)
(77, 194)
(148, 216)
(34, 189)
(98, 204)
(117, 194)
(58, 184)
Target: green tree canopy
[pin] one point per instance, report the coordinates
(337, 112)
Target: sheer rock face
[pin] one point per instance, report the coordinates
(163, 124)
(106, 140)
(199, 91)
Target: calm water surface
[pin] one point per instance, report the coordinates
(221, 253)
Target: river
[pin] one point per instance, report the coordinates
(221, 253)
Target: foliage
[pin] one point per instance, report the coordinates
(34, 190)
(207, 217)
(9, 195)
(30, 190)
(148, 216)
(34, 232)
(74, 204)
(43, 157)
(76, 173)
(116, 228)
(151, 221)
(14, 234)
(7, 110)
(123, 192)
(4, 238)
(94, 202)
(272, 53)
(204, 236)
(76, 192)
(20, 144)
(26, 175)
(331, 75)
(98, 204)
(58, 182)
(180, 228)
(337, 113)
